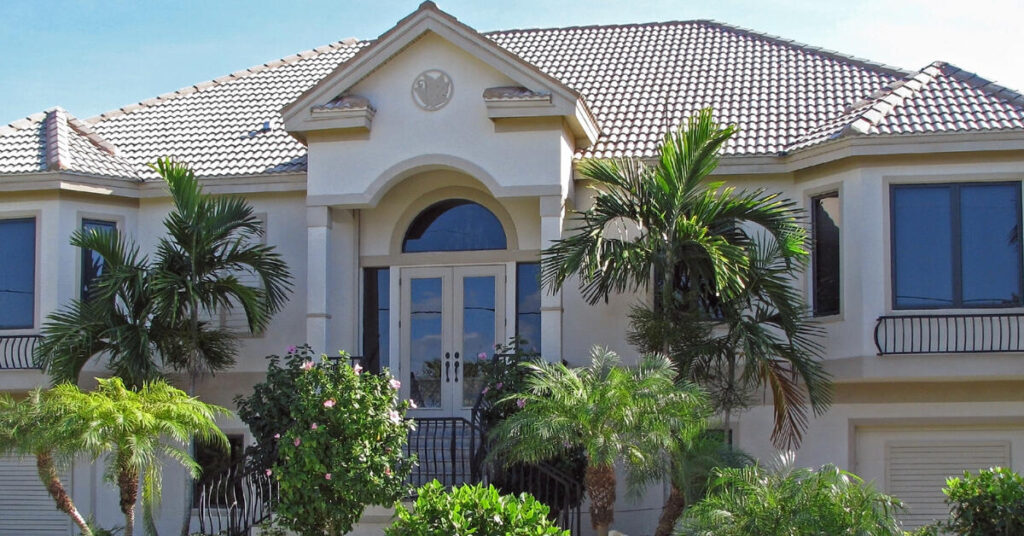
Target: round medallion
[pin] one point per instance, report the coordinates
(432, 90)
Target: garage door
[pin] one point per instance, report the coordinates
(25, 506)
(913, 464)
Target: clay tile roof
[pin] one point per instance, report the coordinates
(57, 141)
(639, 80)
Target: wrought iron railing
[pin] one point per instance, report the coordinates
(16, 351)
(950, 334)
(235, 501)
(447, 449)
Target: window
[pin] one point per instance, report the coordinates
(454, 225)
(92, 262)
(213, 461)
(956, 245)
(17, 273)
(376, 317)
(825, 223)
(528, 290)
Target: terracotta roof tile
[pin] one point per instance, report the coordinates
(639, 81)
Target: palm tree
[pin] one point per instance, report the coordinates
(38, 426)
(608, 411)
(135, 428)
(699, 243)
(143, 313)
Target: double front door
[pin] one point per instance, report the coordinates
(451, 318)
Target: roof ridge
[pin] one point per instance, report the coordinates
(26, 122)
(725, 26)
(981, 83)
(237, 75)
(55, 142)
(880, 104)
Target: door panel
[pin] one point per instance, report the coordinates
(449, 317)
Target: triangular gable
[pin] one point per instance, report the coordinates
(566, 102)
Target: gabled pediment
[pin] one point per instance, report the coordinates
(328, 105)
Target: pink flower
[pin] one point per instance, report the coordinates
(387, 470)
(329, 403)
(297, 441)
(308, 365)
(395, 417)
(521, 402)
(357, 368)
(481, 356)
(291, 349)
(500, 385)
(484, 392)
(269, 472)
(395, 384)
(277, 436)
(327, 476)
(312, 426)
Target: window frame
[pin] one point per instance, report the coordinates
(82, 257)
(535, 345)
(956, 245)
(813, 279)
(34, 216)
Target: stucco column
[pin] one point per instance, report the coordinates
(552, 214)
(343, 284)
(318, 249)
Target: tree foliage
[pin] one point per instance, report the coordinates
(342, 448)
(608, 411)
(145, 313)
(990, 503)
(472, 509)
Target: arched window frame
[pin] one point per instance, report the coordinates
(496, 238)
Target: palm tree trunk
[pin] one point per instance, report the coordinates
(128, 485)
(674, 506)
(47, 470)
(600, 484)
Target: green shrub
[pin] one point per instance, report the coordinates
(342, 448)
(988, 504)
(791, 502)
(474, 510)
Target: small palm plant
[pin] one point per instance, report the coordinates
(608, 411)
(38, 426)
(786, 501)
(135, 428)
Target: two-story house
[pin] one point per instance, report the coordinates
(412, 180)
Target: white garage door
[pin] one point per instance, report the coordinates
(913, 464)
(25, 506)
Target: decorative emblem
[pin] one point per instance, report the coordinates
(432, 90)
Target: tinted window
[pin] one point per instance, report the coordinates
(376, 317)
(825, 216)
(92, 262)
(454, 225)
(528, 304)
(17, 273)
(956, 245)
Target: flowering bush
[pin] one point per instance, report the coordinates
(342, 447)
(990, 503)
(472, 510)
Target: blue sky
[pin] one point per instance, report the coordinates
(90, 56)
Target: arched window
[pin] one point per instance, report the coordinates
(454, 225)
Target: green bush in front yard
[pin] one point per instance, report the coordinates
(472, 509)
(342, 448)
(990, 503)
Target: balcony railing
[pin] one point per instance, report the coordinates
(949, 334)
(16, 351)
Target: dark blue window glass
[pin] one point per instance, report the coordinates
(92, 262)
(528, 304)
(17, 273)
(376, 317)
(956, 245)
(454, 225)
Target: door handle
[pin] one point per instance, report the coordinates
(447, 367)
(456, 367)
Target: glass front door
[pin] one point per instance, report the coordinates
(451, 319)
